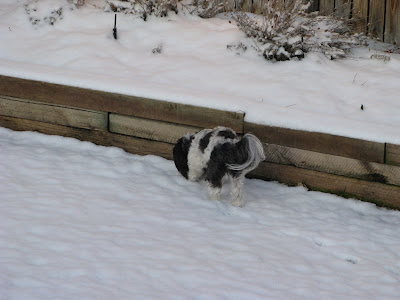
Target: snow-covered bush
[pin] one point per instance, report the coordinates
(206, 8)
(77, 2)
(287, 31)
(45, 12)
(159, 8)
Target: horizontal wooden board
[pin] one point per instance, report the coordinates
(43, 112)
(393, 154)
(118, 103)
(381, 194)
(319, 142)
(332, 164)
(104, 138)
(378, 193)
(149, 129)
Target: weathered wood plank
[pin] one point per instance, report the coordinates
(332, 164)
(43, 112)
(392, 27)
(360, 15)
(259, 6)
(326, 7)
(118, 103)
(149, 129)
(376, 19)
(319, 142)
(378, 193)
(104, 138)
(392, 154)
(247, 6)
(343, 8)
(315, 5)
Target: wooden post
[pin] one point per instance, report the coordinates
(315, 5)
(326, 7)
(342, 8)
(376, 18)
(392, 156)
(392, 25)
(360, 15)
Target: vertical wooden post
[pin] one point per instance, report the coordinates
(377, 18)
(342, 8)
(360, 15)
(315, 6)
(392, 26)
(258, 6)
(326, 7)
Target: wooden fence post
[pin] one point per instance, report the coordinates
(326, 7)
(360, 14)
(376, 18)
(392, 25)
(315, 5)
(343, 8)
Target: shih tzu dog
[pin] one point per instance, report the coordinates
(212, 154)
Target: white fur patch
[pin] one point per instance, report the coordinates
(197, 159)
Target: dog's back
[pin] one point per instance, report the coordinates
(211, 154)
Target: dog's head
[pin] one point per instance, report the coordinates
(181, 151)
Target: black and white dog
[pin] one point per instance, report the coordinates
(213, 153)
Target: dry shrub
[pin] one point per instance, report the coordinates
(158, 8)
(286, 31)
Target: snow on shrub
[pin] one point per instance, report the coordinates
(158, 8)
(284, 31)
(48, 12)
(206, 8)
(287, 31)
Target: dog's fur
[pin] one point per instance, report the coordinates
(213, 153)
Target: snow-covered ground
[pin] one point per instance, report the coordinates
(80, 221)
(196, 67)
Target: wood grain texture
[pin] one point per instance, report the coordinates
(392, 26)
(43, 112)
(149, 129)
(381, 194)
(342, 8)
(332, 164)
(376, 19)
(360, 15)
(315, 5)
(393, 154)
(319, 142)
(118, 103)
(326, 7)
(104, 138)
(378, 193)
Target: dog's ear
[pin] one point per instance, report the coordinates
(186, 141)
(180, 153)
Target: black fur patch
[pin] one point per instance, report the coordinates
(228, 134)
(181, 151)
(223, 154)
(205, 141)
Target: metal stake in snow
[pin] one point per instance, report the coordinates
(115, 27)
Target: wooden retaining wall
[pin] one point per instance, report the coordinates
(349, 167)
(379, 19)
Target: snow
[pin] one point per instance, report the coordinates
(196, 67)
(80, 221)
